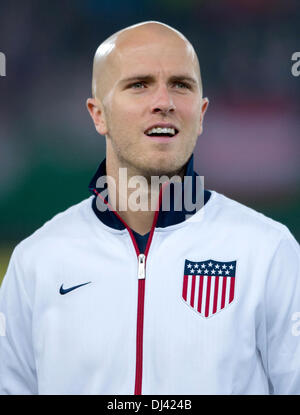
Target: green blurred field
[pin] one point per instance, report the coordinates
(5, 253)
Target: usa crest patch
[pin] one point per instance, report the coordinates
(208, 286)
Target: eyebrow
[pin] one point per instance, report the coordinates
(151, 78)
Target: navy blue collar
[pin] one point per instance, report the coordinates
(165, 218)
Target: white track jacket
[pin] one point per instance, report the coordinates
(212, 308)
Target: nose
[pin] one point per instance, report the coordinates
(162, 102)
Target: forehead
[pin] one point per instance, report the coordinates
(168, 54)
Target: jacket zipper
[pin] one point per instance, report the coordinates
(140, 325)
(141, 267)
(142, 258)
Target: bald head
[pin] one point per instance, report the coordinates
(105, 63)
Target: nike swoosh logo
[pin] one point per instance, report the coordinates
(63, 291)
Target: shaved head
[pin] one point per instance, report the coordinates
(106, 57)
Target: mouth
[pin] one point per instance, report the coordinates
(161, 133)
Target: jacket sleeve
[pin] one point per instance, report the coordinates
(282, 319)
(17, 367)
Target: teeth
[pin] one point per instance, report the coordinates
(159, 130)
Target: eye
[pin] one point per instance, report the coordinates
(182, 85)
(137, 85)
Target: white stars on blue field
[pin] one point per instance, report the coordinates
(210, 267)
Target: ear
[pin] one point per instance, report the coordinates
(96, 112)
(204, 106)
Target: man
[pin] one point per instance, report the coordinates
(108, 299)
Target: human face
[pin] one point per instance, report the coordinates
(153, 82)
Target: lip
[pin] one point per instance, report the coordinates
(162, 138)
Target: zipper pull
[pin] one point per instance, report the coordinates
(141, 267)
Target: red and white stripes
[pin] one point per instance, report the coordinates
(208, 294)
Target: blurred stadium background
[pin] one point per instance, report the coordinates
(48, 146)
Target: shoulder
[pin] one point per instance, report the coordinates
(70, 224)
(60, 239)
(240, 220)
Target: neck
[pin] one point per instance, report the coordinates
(133, 195)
